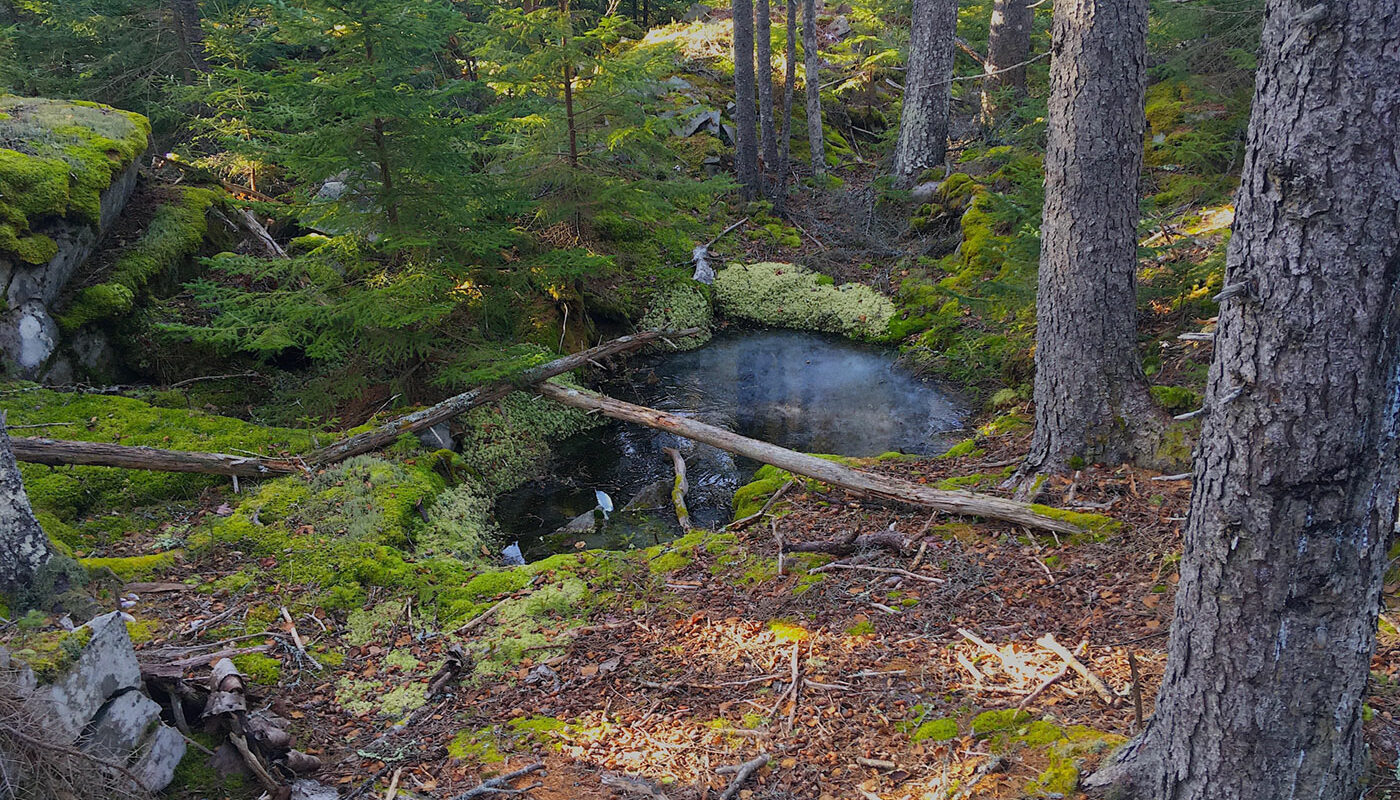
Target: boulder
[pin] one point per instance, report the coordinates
(120, 726)
(159, 755)
(106, 667)
(438, 437)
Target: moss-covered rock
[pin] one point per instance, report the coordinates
(678, 306)
(790, 296)
(56, 159)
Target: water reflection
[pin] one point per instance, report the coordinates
(799, 390)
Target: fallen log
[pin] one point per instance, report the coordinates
(877, 486)
(385, 434)
(680, 488)
(63, 452)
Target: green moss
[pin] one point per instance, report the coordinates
(478, 746)
(789, 296)
(1059, 779)
(299, 245)
(1096, 524)
(1176, 399)
(997, 721)
(131, 568)
(539, 728)
(174, 235)
(49, 654)
(668, 562)
(259, 668)
(195, 777)
(862, 628)
(785, 631)
(936, 730)
(1039, 733)
(678, 306)
(56, 158)
(967, 447)
(142, 632)
(975, 481)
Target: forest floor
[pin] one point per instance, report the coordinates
(686, 664)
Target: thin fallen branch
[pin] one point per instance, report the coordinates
(1050, 681)
(878, 486)
(679, 488)
(740, 524)
(479, 619)
(887, 570)
(992, 764)
(498, 784)
(700, 256)
(742, 773)
(890, 540)
(1095, 682)
(296, 638)
(260, 233)
(61, 452)
(1012, 663)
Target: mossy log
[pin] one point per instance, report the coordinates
(869, 484)
(59, 452)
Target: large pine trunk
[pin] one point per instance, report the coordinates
(1008, 47)
(812, 80)
(1090, 393)
(24, 547)
(1296, 475)
(745, 125)
(923, 124)
(764, 50)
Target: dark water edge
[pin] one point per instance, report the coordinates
(800, 390)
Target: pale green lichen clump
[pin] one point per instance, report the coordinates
(789, 296)
(56, 159)
(678, 307)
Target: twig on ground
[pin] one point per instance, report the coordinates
(887, 570)
(740, 524)
(497, 785)
(1050, 681)
(977, 677)
(393, 785)
(992, 764)
(1095, 682)
(742, 773)
(479, 619)
(876, 763)
(778, 538)
(1137, 690)
(1011, 662)
(296, 638)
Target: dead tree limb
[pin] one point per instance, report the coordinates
(742, 773)
(496, 785)
(876, 486)
(890, 540)
(385, 434)
(62, 452)
(1095, 682)
(680, 487)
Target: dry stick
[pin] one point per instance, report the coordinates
(796, 688)
(59, 452)
(1050, 681)
(476, 621)
(679, 488)
(889, 570)
(296, 638)
(992, 764)
(498, 784)
(1137, 690)
(778, 537)
(260, 233)
(254, 764)
(1106, 694)
(740, 524)
(742, 773)
(72, 752)
(1016, 665)
(877, 486)
(919, 556)
(393, 785)
(966, 663)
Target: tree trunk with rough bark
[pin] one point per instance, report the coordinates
(764, 40)
(24, 547)
(1091, 399)
(812, 79)
(745, 124)
(923, 124)
(1008, 47)
(1296, 473)
(188, 31)
(789, 85)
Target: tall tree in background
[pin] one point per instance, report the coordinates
(764, 41)
(1296, 474)
(1091, 399)
(1008, 46)
(923, 124)
(813, 86)
(571, 122)
(789, 85)
(185, 13)
(746, 130)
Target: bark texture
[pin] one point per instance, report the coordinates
(1008, 47)
(191, 36)
(1090, 394)
(745, 125)
(763, 39)
(812, 86)
(24, 547)
(923, 123)
(789, 84)
(1296, 474)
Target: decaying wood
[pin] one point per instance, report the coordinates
(387, 433)
(876, 486)
(742, 773)
(903, 573)
(265, 240)
(296, 638)
(59, 452)
(890, 540)
(1095, 682)
(494, 785)
(679, 489)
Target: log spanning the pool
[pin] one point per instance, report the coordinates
(879, 486)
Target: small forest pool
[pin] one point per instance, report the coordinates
(801, 390)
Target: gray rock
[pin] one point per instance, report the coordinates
(438, 437)
(312, 790)
(106, 666)
(93, 350)
(697, 11)
(839, 27)
(924, 192)
(119, 727)
(28, 336)
(160, 754)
